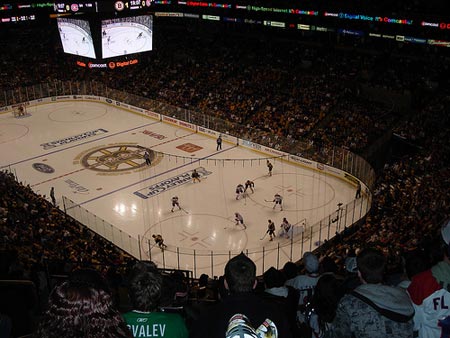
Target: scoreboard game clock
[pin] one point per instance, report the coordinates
(120, 5)
(76, 7)
(101, 6)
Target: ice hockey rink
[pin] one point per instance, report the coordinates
(125, 38)
(92, 154)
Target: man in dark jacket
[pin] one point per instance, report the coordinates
(240, 281)
(286, 297)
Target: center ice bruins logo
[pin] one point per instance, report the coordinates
(116, 158)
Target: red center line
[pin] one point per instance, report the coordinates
(78, 170)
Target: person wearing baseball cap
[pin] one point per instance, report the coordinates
(305, 283)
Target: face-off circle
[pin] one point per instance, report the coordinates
(116, 158)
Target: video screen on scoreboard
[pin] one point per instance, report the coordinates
(127, 36)
(76, 37)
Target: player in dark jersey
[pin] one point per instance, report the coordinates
(249, 185)
(269, 167)
(219, 143)
(271, 229)
(195, 176)
(159, 241)
(358, 190)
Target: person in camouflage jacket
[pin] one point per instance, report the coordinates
(373, 309)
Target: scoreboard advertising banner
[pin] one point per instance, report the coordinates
(107, 65)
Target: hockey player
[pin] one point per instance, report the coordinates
(195, 176)
(271, 229)
(159, 241)
(239, 191)
(278, 199)
(285, 228)
(219, 143)
(358, 190)
(21, 111)
(270, 167)
(239, 219)
(249, 184)
(52, 196)
(175, 203)
(147, 158)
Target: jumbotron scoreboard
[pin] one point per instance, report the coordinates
(105, 34)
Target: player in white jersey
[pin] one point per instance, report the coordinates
(239, 191)
(239, 219)
(278, 200)
(286, 228)
(175, 203)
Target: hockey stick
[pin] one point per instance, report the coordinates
(263, 236)
(151, 248)
(185, 211)
(227, 227)
(268, 201)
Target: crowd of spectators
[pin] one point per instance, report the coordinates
(354, 124)
(33, 233)
(283, 87)
(287, 89)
